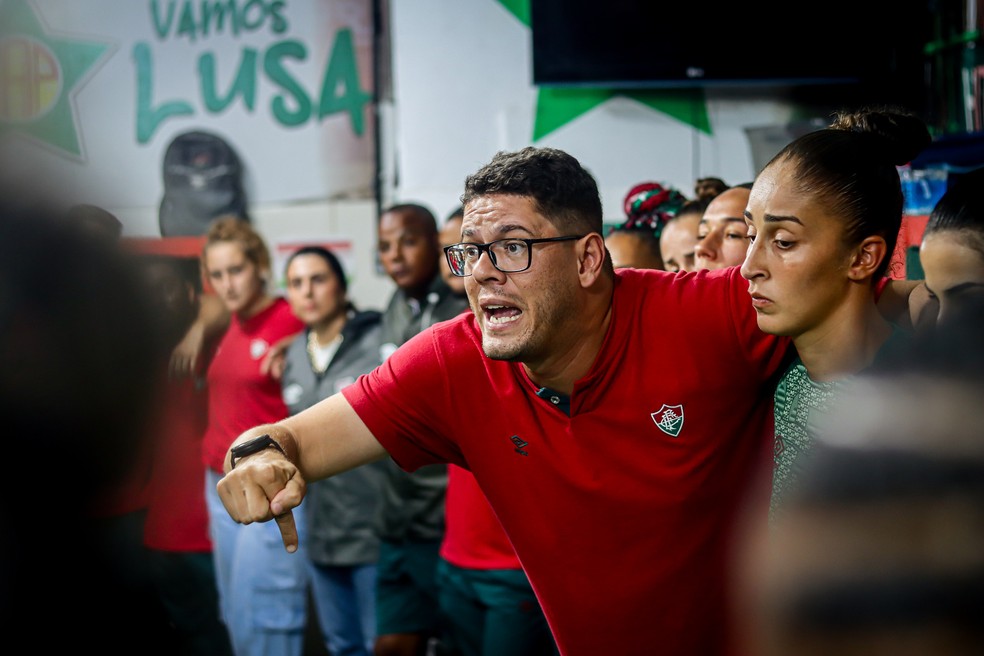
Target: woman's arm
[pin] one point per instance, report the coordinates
(212, 320)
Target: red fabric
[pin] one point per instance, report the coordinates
(239, 396)
(177, 519)
(473, 536)
(623, 529)
(910, 236)
(131, 495)
(177, 246)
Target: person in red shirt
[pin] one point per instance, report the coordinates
(620, 487)
(616, 484)
(262, 589)
(487, 601)
(175, 531)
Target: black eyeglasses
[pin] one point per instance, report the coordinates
(507, 255)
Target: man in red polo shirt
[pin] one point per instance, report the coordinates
(617, 482)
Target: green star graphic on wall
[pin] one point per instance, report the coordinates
(40, 74)
(556, 107)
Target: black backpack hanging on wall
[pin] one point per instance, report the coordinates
(202, 180)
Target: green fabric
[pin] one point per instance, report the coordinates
(799, 400)
(492, 611)
(800, 403)
(406, 588)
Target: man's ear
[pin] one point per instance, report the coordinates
(868, 256)
(591, 258)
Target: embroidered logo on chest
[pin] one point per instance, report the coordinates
(519, 443)
(257, 348)
(669, 418)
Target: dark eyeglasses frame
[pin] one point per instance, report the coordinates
(487, 249)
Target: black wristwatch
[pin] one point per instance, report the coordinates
(252, 446)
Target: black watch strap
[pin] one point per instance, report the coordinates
(252, 446)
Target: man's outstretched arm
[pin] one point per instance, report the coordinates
(326, 439)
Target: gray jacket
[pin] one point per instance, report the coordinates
(413, 503)
(340, 509)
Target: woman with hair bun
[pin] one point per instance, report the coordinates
(823, 217)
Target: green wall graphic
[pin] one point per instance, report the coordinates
(39, 76)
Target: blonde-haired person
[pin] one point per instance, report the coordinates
(262, 588)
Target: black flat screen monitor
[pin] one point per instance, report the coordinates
(688, 43)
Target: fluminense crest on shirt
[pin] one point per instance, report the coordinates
(669, 418)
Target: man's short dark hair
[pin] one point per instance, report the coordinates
(562, 190)
(456, 213)
(417, 210)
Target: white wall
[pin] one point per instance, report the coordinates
(353, 220)
(462, 90)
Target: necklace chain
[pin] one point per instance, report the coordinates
(313, 348)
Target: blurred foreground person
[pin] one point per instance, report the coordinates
(79, 364)
(880, 550)
(175, 529)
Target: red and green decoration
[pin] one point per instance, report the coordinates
(555, 107)
(649, 206)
